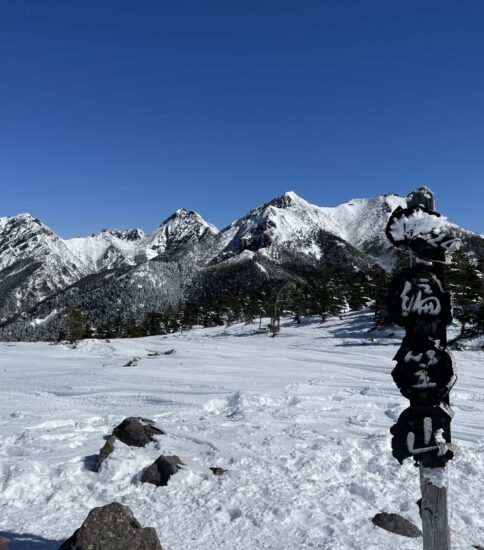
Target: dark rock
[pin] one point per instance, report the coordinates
(106, 450)
(169, 352)
(154, 354)
(396, 524)
(112, 527)
(136, 431)
(132, 363)
(161, 470)
(218, 471)
(3, 543)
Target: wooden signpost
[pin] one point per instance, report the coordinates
(425, 370)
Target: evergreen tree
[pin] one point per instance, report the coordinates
(466, 283)
(378, 290)
(76, 325)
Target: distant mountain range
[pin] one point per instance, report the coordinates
(129, 272)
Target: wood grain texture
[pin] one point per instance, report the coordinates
(435, 524)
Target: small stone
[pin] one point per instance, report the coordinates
(161, 470)
(216, 470)
(136, 431)
(105, 451)
(132, 363)
(396, 524)
(169, 352)
(112, 527)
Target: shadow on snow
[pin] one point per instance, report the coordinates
(27, 541)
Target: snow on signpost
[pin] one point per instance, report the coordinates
(425, 370)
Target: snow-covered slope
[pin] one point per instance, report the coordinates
(300, 422)
(107, 248)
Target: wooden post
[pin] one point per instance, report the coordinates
(433, 510)
(435, 522)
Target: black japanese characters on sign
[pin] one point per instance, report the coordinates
(425, 372)
(422, 231)
(423, 432)
(417, 294)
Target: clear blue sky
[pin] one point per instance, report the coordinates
(115, 113)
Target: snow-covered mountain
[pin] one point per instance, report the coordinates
(109, 249)
(34, 264)
(113, 269)
(289, 220)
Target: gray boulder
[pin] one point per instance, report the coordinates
(136, 431)
(396, 524)
(106, 450)
(161, 470)
(112, 527)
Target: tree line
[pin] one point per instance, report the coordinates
(223, 295)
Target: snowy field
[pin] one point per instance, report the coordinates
(301, 422)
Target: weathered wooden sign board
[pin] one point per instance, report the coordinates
(425, 371)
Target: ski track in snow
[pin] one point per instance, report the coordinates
(301, 422)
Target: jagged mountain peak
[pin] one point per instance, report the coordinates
(188, 217)
(289, 220)
(135, 234)
(288, 199)
(181, 213)
(182, 227)
(34, 263)
(24, 235)
(23, 220)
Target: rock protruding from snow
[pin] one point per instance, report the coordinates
(136, 432)
(161, 470)
(112, 527)
(105, 451)
(397, 524)
(217, 471)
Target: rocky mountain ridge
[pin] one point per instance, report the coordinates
(129, 271)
